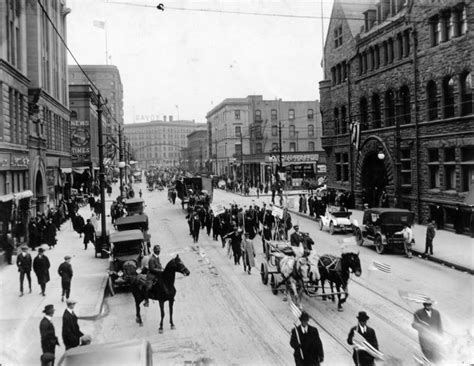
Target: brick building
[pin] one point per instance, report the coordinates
(400, 72)
(196, 156)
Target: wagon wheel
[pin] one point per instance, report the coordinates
(273, 284)
(379, 247)
(331, 228)
(358, 236)
(321, 225)
(264, 273)
(267, 251)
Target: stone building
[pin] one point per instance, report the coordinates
(245, 132)
(196, 156)
(34, 114)
(397, 106)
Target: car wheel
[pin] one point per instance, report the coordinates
(331, 228)
(321, 225)
(379, 247)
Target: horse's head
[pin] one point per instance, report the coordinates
(352, 261)
(303, 268)
(177, 265)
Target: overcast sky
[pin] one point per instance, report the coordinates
(193, 59)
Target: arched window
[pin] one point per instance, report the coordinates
(385, 53)
(376, 57)
(389, 107)
(399, 46)
(336, 121)
(376, 115)
(448, 97)
(405, 110)
(370, 60)
(432, 100)
(343, 120)
(364, 113)
(390, 50)
(466, 93)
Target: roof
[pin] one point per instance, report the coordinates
(354, 13)
(382, 210)
(131, 219)
(126, 235)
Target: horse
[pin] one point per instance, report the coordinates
(163, 289)
(337, 271)
(295, 271)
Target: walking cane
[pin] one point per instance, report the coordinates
(299, 342)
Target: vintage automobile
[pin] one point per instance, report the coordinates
(336, 220)
(129, 352)
(132, 222)
(127, 249)
(134, 206)
(381, 226)
(102, 244)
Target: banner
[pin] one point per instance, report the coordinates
(355, 134)
(277, 212)
(217, 209)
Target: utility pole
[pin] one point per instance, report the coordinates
(242, 156)
(101, 170)
(279, 145)
(121, 161)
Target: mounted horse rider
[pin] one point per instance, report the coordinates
(154, 270)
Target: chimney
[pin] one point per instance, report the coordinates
(164, 118)
(171, 118)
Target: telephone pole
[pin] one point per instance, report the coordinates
(120, 161)
(242, 156)
(279, 146)
(101, 170)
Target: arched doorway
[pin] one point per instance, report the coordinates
(39, 192)
(374, 178)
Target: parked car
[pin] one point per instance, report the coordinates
(127, 249)
(134, 206)
(132, 222)
(131, 352)
(381, 225)
(336, 219)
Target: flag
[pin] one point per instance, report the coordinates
(295, 310)
(355, 134)
(99, 24)
(382, 267)
(414, 297)
(362, 344)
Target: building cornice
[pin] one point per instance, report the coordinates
(14, 72)
(48, 98)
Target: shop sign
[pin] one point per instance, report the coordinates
(80, 140)
(4, 161)
(322, 168)
(19, 162)
(296, 158)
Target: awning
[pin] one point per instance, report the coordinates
(6, 198)
(469, 200)
(66, 170)
(22, 195)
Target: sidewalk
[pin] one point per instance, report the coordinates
(20, 316)
(450, 249)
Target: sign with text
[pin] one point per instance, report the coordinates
(19, 162)
(296, 158)
(217, 209)
(80, 140)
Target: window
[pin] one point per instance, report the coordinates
(274, 131)
(310, 146)
(364, 113)
(370, 62)
(292, 131)
(258, 148)
(338, 74)
(344, 71)
(310, 130)
(275, 146)
(385, 53)
(291, 114)
(389, 108)
(466, 93)
(274, 115)
(467, 168)
(390, 50)
(434, 30)
(405, 113)
(448, 97)
(238, 131)
(445, 26)
(338, 166)
(238, 149)
(236, 114)
(405, 160)
(336, 121)
(432, 100)
(258, 115)
(376, 115)
(333, 75)
(449, 169)
(361, 65)
(343, 120)
(406, 43)
(338, 37)
(345, 167)
(376, 57)
(399, 46)
(433, 168)
(292, 146)
(310, 114)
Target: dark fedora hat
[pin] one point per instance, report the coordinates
(362, 316)
(304, 316)
(48, 309)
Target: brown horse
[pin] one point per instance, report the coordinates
(163, 290)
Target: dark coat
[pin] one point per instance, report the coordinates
(310, 344)
(89, 233)
(296, 239)
(41, 267)
(49, 234)
(78, 223)
(71, 332)
(362, 358)
(49, 341)
(427, 328)
(65, 271)
(154, 267)
(24, 262)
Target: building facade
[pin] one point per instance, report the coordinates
(158, 142)
(252, 129)
(34, 115)
(196, 154)
(398, 75)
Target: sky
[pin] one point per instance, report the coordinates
(183, 63)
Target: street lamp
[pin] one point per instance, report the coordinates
(381, 154)
(121, 165)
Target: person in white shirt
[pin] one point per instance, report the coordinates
(408, 239)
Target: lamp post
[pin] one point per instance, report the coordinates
(121, 166)
(101, 170)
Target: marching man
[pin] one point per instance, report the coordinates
(308, 348)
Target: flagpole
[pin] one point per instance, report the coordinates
(106, 46)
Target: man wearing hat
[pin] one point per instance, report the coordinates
(154, 269)
(24, 262)
(248, 253)
(427, 322)
(41, 267)
(360, 356)
(49, 341)
(65, 271)
(296, 238)
(71, 332)
(308, 348)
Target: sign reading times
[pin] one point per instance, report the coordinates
(80, 140)
(296, 158)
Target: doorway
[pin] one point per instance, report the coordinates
(373, 178)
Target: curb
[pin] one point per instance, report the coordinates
(100, 303)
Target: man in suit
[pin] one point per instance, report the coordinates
(41, 267)
(296, 238)
(71, 332)
(308, 348)
(427, 322)
(195, 227)
(24, 263)
(65, 271)
(89, 233)
(360, 356)
(154, 269)
(49, 341)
